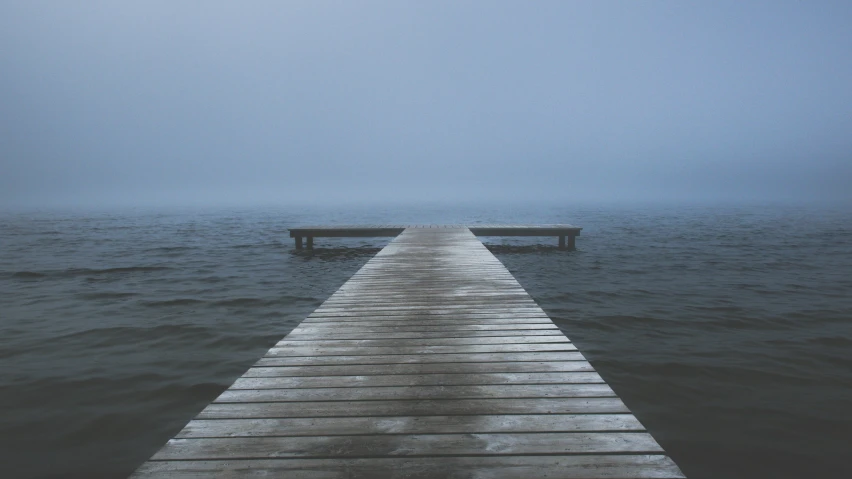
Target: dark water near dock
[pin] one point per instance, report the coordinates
(726, 330)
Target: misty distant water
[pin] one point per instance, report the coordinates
(726, 330)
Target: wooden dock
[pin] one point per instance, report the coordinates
(564, 232)
(430, 362)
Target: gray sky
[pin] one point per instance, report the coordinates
(166, 102)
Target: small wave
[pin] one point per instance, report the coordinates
(79, 343)
(74, 272)
(127, 269)
(604, 294)
(833, 341)
(335, 254)
(170, 251)
(110, 336)
(108, 295)
(212, 279)
(173, 302)
(719, 309)
(244, 302)
(273, 244)
(522, 249)
(28, 275)
(170, 248)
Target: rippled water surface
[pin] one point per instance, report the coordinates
(727, 331)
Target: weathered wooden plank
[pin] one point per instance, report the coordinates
(405, 327)
(493, 467)
(455, 304)
(453, 288)
(417, 335)
(425, 312)
(433, 321)
(428, 303)
(434, 407)
(439, 281)
(409, 445)
(477, 424)
(416, 392)
(426, 295)
(421, 335)
(512, 230)
(398, 343)
(423, 301)
(418, 359)
(385, 380)
(408, 350)
(420, 368)
(353, 231)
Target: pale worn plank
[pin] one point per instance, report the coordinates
(409, 350)
(405, 327)
(408, 445)
(477, 424)
(433, 321)
(416, 392)
(343, 335)
(434, 407)
(495, 467)
(417, 359)
(437, 379)
(449, 308)
(418, 340)
(427, 314)
(420, 369)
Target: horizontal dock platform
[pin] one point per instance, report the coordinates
(564, 232)
(430, 362)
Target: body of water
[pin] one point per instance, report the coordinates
(726, 330)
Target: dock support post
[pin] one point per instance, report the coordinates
(298, 242)
(572, 242)
(562, 242)
(310, 242)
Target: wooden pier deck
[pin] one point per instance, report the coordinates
(430, 362)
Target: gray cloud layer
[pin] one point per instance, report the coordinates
(275, 102)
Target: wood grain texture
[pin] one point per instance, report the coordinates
(420, 369)
(421, 359)
(438, 379)
(431, 407)
(430, 362)
(477, 424)
(408, 445)
(478, 467)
